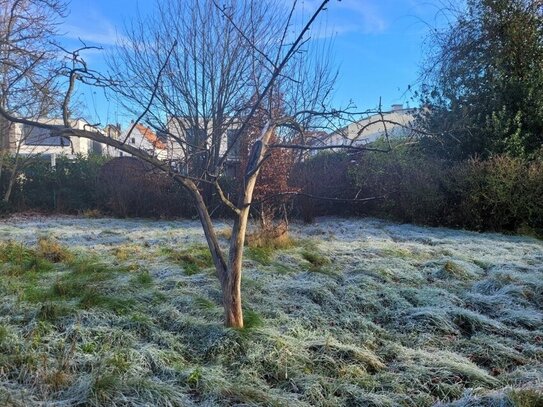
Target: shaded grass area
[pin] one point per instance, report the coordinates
(333, 322)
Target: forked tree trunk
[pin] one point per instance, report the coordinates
(229, 274)
(209, 230)
(232, 284)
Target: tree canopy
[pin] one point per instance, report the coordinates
(483, 81)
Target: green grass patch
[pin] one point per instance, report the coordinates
(193, 259)
(453, 270)
(20, 259)
(262, 255)
(89, 264)
(52, 311)
(15, 253)
(262, 245)
(105, 386)
(144, 278)
(526, 398)
(317, 262)
(252, 319)
(204, 303)
(92, 299)
(52, 250)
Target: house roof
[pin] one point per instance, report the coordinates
(397, 123)
(150, 136)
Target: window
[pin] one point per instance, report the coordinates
(35, 136)
(133, 140)
(233, 143)
(195, 138)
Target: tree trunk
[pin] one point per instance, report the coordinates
(232, 284)
(2, 155)
(231, 289)
(12, 178)
(209, 230)
(4, 143)
(14, 172)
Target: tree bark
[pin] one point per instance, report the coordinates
(2, 155)
(14, 173)
(231, 288)
(232, 285)
(209, 230)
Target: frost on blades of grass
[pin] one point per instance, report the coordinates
(105, 312)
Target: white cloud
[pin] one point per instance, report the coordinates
(104, 33)
(347, 16)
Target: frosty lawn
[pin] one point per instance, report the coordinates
(356, 312)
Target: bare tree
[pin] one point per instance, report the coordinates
(199, 72)
(29, 74)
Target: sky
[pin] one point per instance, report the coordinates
(378, 46)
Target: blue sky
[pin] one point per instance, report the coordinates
(378, 45)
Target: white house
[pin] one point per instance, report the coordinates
(31, 140)
(196, 140)
(396, 123)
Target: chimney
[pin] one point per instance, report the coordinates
(397, 107)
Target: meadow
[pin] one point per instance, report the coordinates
(351, 312)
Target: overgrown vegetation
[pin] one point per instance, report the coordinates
(401, 315)
(474, 110)
(499, 194)
(192, 260)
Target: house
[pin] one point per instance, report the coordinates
(30, 140)
(396, 123)
(113, 131)
(143, 138)
(196, 138)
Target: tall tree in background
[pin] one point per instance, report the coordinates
(484, 81)
(29, 69)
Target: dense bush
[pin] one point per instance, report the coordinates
(120, 187)
(129, 187)
(69, 187)
(499, 194)
(406, 185)
(324, 180)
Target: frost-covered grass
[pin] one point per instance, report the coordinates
(106, 312)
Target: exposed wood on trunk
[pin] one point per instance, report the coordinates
(232, 284)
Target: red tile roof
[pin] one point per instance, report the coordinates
(150, 136)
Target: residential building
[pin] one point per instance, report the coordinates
(113, 131)
(396, 123)
(31, 140)
(196, 139)
(143, 138)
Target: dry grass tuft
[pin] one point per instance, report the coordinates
(50, 249)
